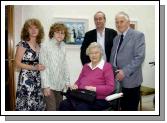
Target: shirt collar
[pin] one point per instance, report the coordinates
(125, 32)
(54, 41)
(99, 65)
(102, 32)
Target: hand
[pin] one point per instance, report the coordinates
(67, 85)
(91, 88)
(73, 87)
(120, 75)
(47, 91)
(40, 67)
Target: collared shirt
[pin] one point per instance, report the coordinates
(124, 33)
(101, 41)
(99, 65)
(53, 56)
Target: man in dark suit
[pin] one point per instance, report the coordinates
(104, 36)
(127, 56)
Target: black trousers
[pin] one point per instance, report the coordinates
(76, 105)
(130, 100)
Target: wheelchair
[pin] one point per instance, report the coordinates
(113, 99)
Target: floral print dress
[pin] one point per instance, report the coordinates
(29, 96)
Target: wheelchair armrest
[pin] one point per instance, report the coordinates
(113, 96)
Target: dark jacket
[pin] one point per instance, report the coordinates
(90, 37)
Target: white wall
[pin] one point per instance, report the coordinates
(144, 15)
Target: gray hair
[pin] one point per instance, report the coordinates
(94, 45)
(123, 14)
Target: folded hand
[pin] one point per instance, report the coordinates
(120, 75)
(74, 86)
(47, 91)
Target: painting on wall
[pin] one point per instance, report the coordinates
(133, 24)
(76, 28)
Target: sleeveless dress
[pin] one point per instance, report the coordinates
(29, 96)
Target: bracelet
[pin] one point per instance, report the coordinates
(33, 67)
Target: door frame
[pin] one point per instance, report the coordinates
(10, 53)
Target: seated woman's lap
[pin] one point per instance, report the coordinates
(72, 105)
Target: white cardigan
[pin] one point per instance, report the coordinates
(53, 56)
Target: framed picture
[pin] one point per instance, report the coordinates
(133, 24)
(76, 28)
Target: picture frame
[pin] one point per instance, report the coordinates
(133, 24)
(76, 27)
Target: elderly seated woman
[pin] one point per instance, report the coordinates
(95, 76)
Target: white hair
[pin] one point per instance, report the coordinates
(123, 14)
(94, 45)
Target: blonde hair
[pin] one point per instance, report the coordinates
(94, 45)
(25, 33)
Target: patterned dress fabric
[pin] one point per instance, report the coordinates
(29, 96)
